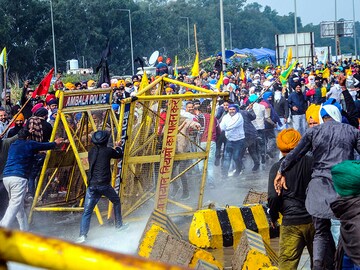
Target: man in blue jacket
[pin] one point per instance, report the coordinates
(16, 172)
(298, 107)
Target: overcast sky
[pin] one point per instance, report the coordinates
(314, 11)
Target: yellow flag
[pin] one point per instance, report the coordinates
(144, 81)
(3, 58)
(242, 75)
(326, 73)
(176, 74)
(195, 71)
(288, 58)
(220, 81)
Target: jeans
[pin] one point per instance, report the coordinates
(93, 195)
(211, 160)
(16, 188)
(299, 123)
(233, 150)
(251, 145)
(324, 246)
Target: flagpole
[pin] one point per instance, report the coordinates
(196, 44)
(4, 88)
(15, 116)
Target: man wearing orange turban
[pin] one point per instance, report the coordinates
(19, 122)
(296, 230)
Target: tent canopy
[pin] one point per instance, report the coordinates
(261, 54)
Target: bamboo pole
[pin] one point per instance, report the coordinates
(51, 253)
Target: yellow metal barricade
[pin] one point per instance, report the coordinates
(62, 182)
(152, 160)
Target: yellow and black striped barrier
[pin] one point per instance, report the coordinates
(217, 228)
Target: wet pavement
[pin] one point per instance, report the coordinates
(227, 191)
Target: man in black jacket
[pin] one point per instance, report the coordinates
(297, 229)
(99, 178)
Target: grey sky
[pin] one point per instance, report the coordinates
(314, 11)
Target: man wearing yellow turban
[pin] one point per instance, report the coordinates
(297, 229)
(312, 115)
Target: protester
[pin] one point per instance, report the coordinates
(297, 230)
(327, 143)
(15, 176)
(19, 123)
(298, 106)
(233, 125)
(4, 150)
(99, 181)
(3, 120)
(346, 180)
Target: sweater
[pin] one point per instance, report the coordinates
(21, 155)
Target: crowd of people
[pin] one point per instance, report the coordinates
(312, 120)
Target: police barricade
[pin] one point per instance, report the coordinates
(163, 149)
(62, 181)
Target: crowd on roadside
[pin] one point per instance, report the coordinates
(320, 102)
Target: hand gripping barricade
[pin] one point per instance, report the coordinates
(62, 181)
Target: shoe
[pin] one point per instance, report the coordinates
(256, 167)
(185, 196)
(81, 239)
(123, 227)
(217, 162)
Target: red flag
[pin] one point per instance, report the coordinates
(44, 85)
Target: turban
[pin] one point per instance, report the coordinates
(332, 111)
(253, 98)
(234, 106)
(287, 140)
(36, 107)
(346, 178)
(313, 112)
(70, 86)
(41, 112)
(266, 95)
(90, 83)
(20, 117)
(49, 97)
(52, 102)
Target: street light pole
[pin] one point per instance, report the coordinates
(296, 31)
(53, 35)
(188, 29)
(335, 33)
(230, 35)
(222, 36)
(355, 45)
(131, 40)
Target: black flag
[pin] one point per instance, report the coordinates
(103, 66)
